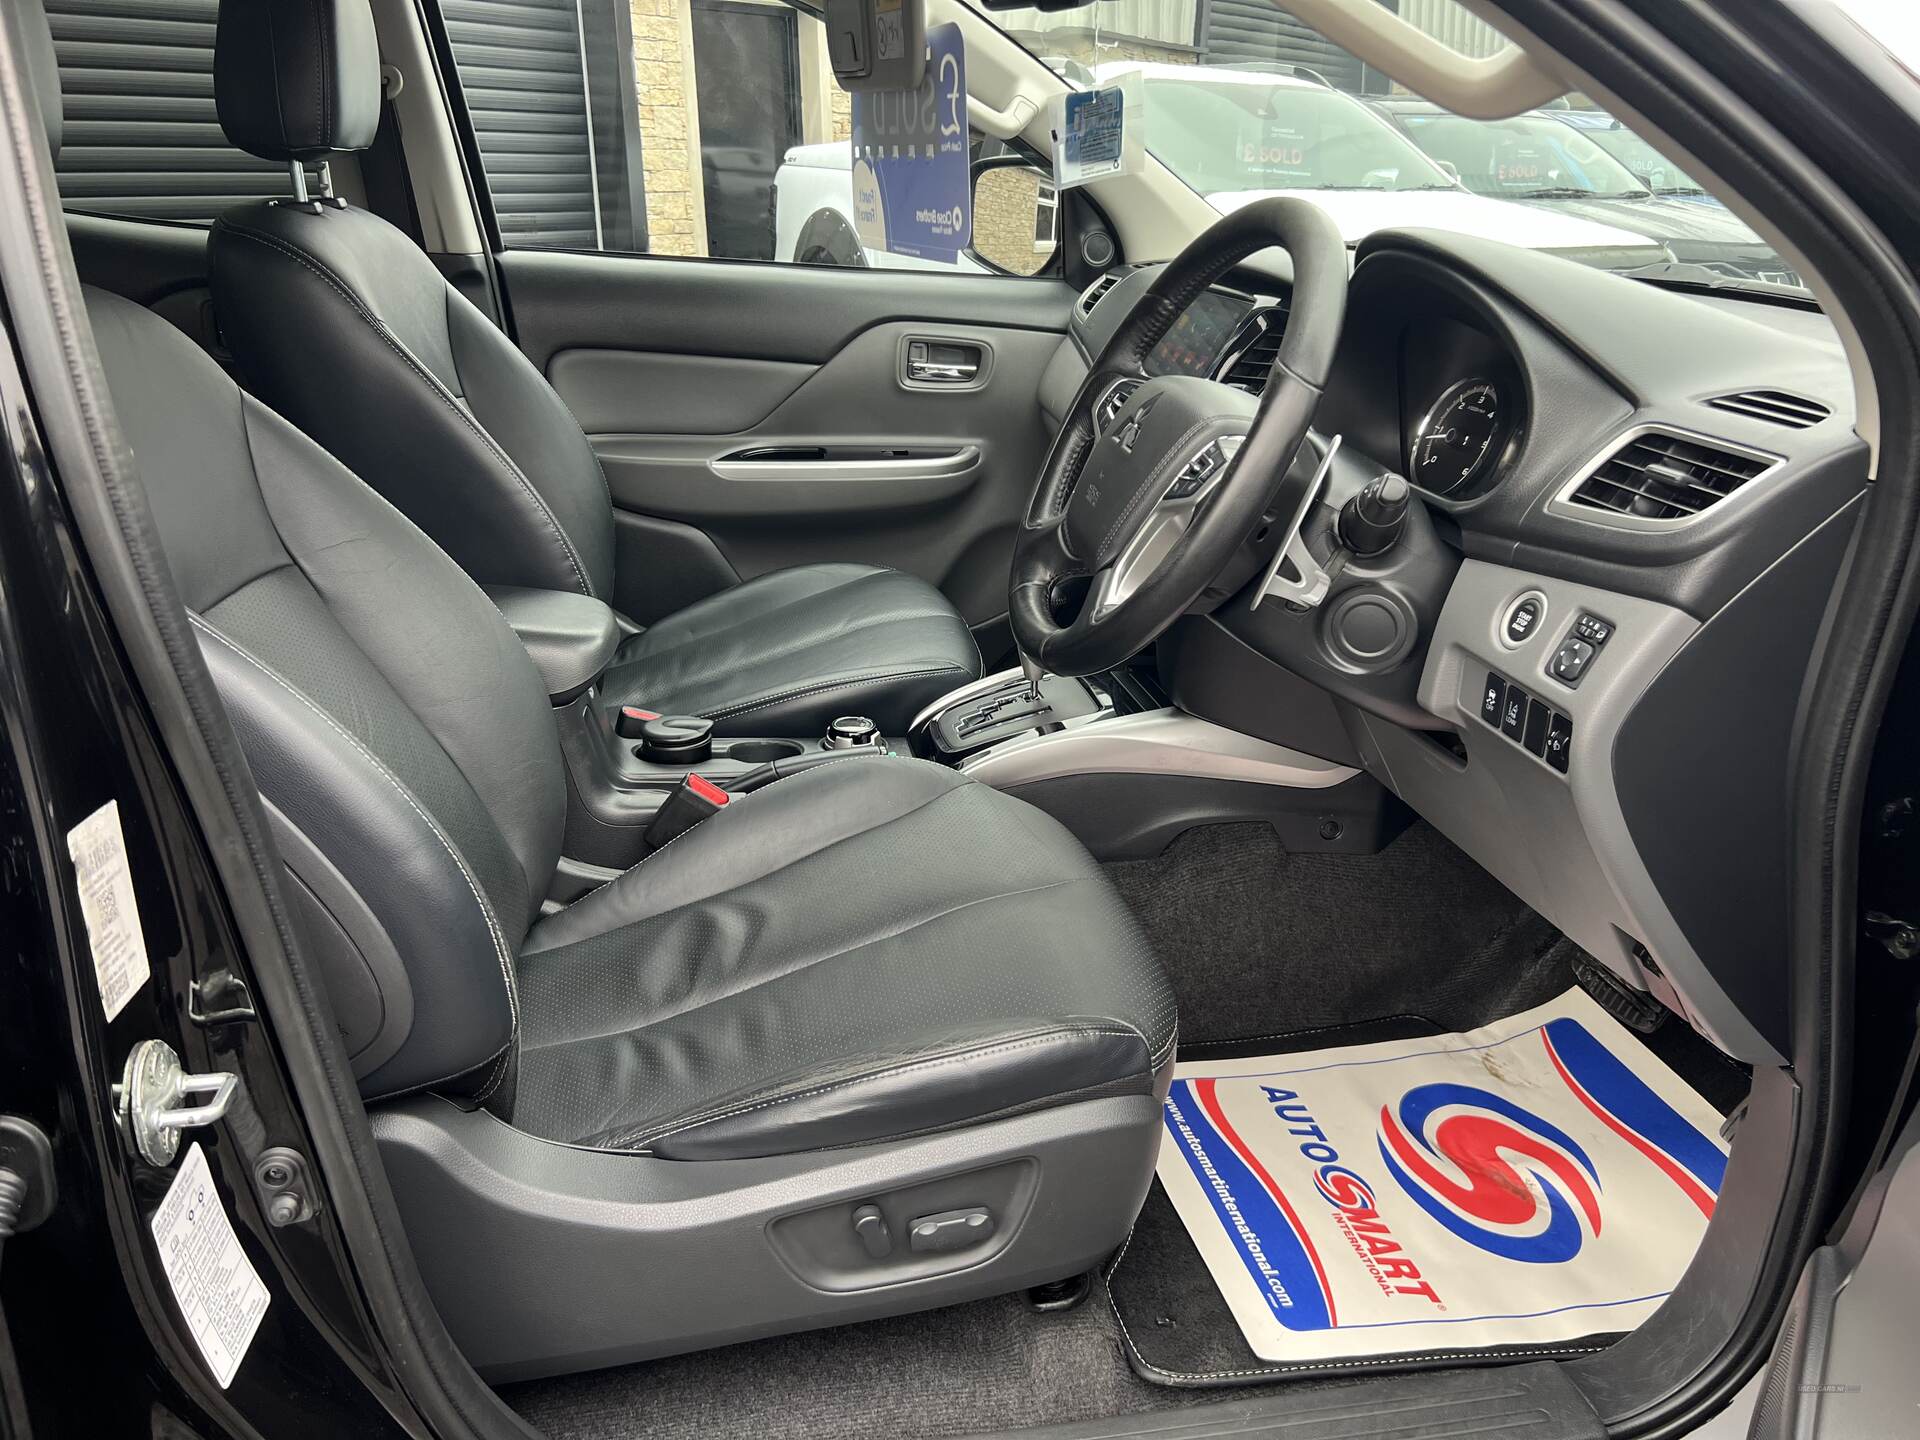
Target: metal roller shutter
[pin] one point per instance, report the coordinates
(522, 70)
(142, 138)
(1243, 32)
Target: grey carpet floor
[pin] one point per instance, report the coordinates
(1258, 942)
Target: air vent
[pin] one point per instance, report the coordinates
(1247, 360)
(1661, 476)
(1093, 294)
(1776, 407)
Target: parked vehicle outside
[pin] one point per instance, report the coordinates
(1637, 153)
(1541, 161)
(1241, 135)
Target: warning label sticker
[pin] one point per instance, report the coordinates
(219, 1291)
(99, 852)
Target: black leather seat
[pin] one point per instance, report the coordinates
(875, 986)
(342, 324)
(868, 949)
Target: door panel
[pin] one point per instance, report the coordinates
(752, 417)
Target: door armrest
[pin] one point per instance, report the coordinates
(570, 637)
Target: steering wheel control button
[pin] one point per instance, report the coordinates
(849, 732)
(1559, 741)
(676, 739)
(1570, 661)
(1592, 629)
(1523, 619)
(1513, 713)
(1492, 697)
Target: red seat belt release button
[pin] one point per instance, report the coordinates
(692, 800)
(707, 790)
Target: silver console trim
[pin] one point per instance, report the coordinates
(1154, 742)
(965, 692)
(922, 467)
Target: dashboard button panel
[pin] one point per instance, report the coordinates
(1513, 713)
(1559, 741)
(1492, 696)
(1527, 720)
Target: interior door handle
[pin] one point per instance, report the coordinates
(942, 362)
(933, 372)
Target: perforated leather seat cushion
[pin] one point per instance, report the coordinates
(771, 981)
(786, 652)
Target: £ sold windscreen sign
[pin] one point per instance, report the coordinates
(912, 193)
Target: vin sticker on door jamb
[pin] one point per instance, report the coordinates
(99, 851)
(219, 1291)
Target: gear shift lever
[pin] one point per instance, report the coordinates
(1034, 675)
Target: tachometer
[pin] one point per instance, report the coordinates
(1455, 439)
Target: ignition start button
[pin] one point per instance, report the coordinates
(1524, 618)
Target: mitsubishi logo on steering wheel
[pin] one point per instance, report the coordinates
(1130, 432)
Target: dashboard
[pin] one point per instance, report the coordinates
(1582, 661)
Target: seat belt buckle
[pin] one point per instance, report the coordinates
(692, 800)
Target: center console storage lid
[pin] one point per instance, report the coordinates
(571, 637)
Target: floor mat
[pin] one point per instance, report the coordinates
(1533, 1187)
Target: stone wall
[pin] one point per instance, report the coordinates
(669, 126)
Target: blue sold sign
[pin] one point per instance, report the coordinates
(911, 190)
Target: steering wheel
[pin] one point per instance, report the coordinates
(1154, 482)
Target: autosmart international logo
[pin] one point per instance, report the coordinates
(1351, 1195)
(1494, 1174)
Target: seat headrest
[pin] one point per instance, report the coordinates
(43, 70)
(297, 79)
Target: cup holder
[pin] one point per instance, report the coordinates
(758, 752)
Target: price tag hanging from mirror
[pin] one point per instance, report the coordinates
(1097, 133)
(912, 194)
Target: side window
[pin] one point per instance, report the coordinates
(142, 139)
(674, 127)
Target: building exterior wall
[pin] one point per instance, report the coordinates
(663, 82)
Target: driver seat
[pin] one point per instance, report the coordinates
(339, 321)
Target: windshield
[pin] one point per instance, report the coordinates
(1526, 158)
(1648, 165)
(1238, 98)
(1219, 131)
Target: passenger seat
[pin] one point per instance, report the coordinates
(341, 323)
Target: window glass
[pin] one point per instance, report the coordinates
(682, 127)
(141, 136)
(1241, 100)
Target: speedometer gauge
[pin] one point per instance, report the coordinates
(1455, 439)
